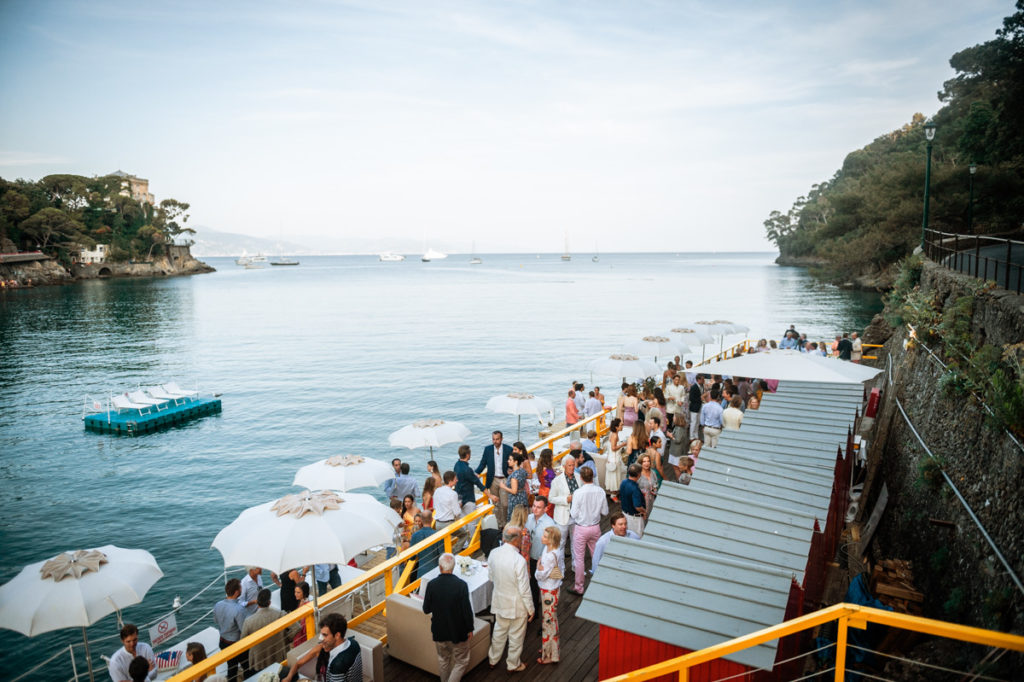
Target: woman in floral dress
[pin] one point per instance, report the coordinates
(518, 487)
(549, 573)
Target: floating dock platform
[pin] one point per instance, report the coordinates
(135, 422)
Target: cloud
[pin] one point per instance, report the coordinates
(18, 158)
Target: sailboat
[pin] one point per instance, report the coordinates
(565, 254)
(432, 254)
(243, 259)
(475, 260)
(596, 257)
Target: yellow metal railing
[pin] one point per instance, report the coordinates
(305, 612)
(403, 585)
(746, 345)
(845, 616)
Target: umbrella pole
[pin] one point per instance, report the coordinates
(316, 603)
(88, 656)
(519, 427)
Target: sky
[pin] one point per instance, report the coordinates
(622, 126)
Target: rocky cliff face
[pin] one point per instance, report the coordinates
(178, 261)
(34, 273)
(957, 570)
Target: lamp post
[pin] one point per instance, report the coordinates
(970, 203)
(929, 134)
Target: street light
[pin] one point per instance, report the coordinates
(970, 204)
(929, 134)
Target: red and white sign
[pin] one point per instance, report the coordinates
(163, 631)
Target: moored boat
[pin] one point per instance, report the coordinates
(391, 257)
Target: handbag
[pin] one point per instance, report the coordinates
(556, 572)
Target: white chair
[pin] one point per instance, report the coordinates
(160, 394)
(176, 390)
(143, 399)
(121, 402)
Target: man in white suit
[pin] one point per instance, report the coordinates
(562, 488)
(511, 602)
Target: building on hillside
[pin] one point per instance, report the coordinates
(135, 187)
(96, 255)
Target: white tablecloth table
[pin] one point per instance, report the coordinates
(480, 585)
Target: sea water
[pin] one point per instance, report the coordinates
(325, 358)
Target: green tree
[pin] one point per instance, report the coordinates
(53, 227)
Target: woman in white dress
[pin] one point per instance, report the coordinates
(613, 464)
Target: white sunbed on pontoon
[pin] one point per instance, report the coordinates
(121, 402)
(141, 397)
(159, 393)
(177, 391)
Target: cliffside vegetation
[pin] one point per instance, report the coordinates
(992, 374)
(867, 217)
(60, 214)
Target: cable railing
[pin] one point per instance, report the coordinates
(845, 616)
(405, 562)
(963, 253)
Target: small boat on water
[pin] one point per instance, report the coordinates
(391, 257)
(244, 259)
(284, 261)
(565, 253)
(258, 258)
(475, 259)
(254, 266)
(433, 254)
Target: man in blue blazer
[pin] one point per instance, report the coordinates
(497, 470)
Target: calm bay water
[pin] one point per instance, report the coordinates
(325, 358)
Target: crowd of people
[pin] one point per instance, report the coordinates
(549, 519)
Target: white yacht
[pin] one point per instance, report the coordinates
(433, 254)
(391, 257)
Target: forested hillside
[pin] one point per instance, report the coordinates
(60, 214)
(860, 222)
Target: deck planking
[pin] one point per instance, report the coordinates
(578, 640)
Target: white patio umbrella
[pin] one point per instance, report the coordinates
(306, 528)
(520, 404)
(344, 472)
(655, 346)
(624, 365)
(691, 334)
(428, 433)
(720, 328)
(323, 527)
(790, 365)
(76, 589)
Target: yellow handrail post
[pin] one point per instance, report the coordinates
(841, 650)
(448, 544)
(311, 633)
(684, 674)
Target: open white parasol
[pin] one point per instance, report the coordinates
(520, 404)
(323, 527)
(657, 346)
(76, 589)
(344, 472)
(625, 365)
(306, 528)
(428, 433)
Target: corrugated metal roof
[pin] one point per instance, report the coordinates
(717, 555)
(687, 599)
(705, 520)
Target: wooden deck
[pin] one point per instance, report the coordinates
(578, 641)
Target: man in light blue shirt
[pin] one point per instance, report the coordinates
(592, 406)
(588, 443)
(789, 342)
(406, 485)
(229, 614)
(389, 486)
(711, 419)
(619, 529)
(536, 522)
